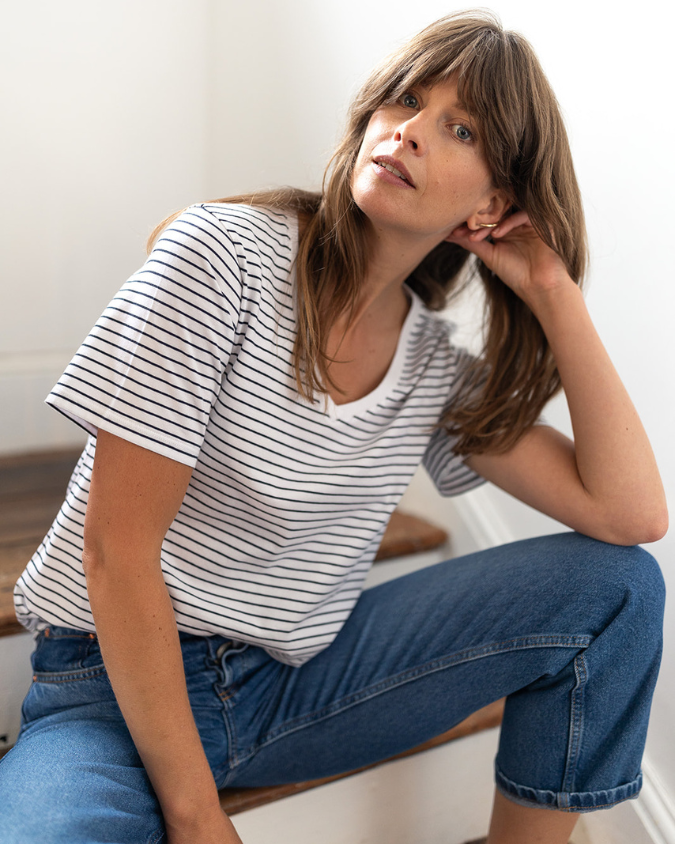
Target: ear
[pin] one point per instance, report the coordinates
(492, 211)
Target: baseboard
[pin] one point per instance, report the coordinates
(651, 818)
(655, 807)
(482, 519)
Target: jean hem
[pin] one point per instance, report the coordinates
(566, 801)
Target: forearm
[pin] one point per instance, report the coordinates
(139, 642)
(614, 458)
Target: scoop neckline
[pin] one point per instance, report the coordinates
(392, 377)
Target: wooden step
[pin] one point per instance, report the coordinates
(407, 534)
(235, 800)
(32, 488)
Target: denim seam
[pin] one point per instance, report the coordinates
(225, 693)
(576, 724)
(226, 770)
(469, 655)
(56, 677)
(223, 771)
(48, 633)
(156, 837)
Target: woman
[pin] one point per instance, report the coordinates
(259, 395)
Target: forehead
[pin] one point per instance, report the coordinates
(446, 90)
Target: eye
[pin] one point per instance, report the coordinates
(462, 132)
(409, 101)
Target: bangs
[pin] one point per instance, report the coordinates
(500, 85)
(427, 67)
(489, 85)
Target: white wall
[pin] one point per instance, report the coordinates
(122, 112)
(104, 131)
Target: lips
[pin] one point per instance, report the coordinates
(396, 167)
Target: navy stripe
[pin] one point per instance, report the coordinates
(287, 503)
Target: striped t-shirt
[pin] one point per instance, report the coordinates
(288, 500)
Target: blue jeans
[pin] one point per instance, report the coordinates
(567, 627)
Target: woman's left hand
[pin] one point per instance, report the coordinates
(517, 255)
(606, 484)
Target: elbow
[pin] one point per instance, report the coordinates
(658, 526)
(91, 560)
(639, 528)
(97, 553)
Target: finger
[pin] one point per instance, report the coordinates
(461, 230)
(513, 221)
(463, 235)
(482, 249)
(480, 234)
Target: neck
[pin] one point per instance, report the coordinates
(392, 256)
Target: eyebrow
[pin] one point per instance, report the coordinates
(458, 103)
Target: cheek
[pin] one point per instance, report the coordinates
(377, 132)
(462, 180)
(358, 181)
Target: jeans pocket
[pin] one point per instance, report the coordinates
(62, 654)
(68, 672)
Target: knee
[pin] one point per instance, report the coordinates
(626, 578)
(646, 591)
(597, 581)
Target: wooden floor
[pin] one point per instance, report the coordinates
(32, 488)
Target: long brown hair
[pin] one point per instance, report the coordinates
(502, 85)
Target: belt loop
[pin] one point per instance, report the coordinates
(223, 649)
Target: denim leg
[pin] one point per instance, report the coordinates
(74, 776)
(612, 683)
(568, 627)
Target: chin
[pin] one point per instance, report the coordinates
(381, 211)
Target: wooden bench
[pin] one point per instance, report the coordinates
(32, 487)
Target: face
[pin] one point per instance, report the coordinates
(420, 170)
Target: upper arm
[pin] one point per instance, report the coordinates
(541, 471)
(134, 496)
(153, 366)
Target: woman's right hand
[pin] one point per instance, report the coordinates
(215, 829)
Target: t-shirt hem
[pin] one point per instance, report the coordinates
(152, 441)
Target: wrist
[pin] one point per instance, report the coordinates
(193, 808)
(554, 300)
(215, 826)
(189, 793)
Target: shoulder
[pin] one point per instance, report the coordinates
(237, 245)
(434, 332)
(270, 234)
(221, 229)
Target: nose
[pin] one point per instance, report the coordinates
(411, 134)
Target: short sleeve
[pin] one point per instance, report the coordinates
(448, 471)
(152, 366)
